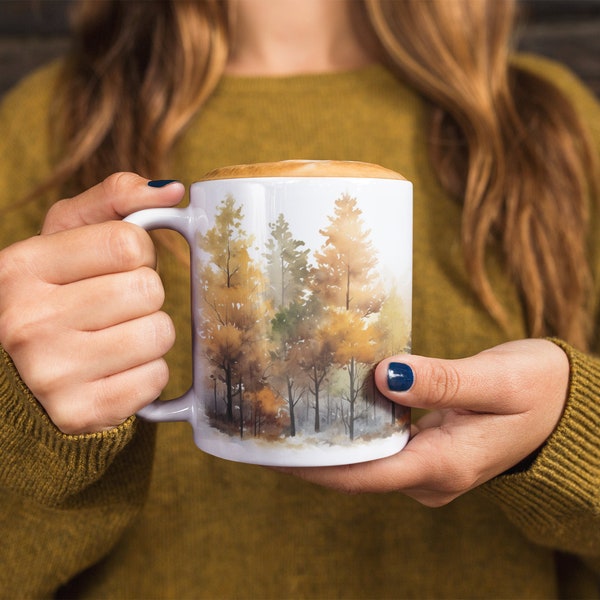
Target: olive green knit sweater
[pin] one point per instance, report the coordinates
(139, 512)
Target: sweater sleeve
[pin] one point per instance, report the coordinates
(64, 500)
(556, 501)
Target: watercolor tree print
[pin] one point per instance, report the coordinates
(289, 334)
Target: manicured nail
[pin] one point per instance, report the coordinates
(158, 183)
(400, 377)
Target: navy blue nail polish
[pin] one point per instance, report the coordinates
(400, 377)
(158, 183)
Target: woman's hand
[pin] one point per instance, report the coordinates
(80, 307)
(488, 412)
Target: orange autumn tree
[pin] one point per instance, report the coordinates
(233, 309)
(349, 286)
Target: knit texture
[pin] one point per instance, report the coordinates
(124, 515)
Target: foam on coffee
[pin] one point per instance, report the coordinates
(303, 168)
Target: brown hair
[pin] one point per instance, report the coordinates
(136, 74)
(525, 176)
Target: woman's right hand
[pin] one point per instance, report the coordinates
(80, 307)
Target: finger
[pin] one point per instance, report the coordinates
(127, 345)
(114, 198)
(491, 381)
(433, 468)
(85, 252)
(124, 394)
(112, 400)
(438, 384)
(399, 472)
(78, 360)
(101, 302)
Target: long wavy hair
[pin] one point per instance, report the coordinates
(505, 143)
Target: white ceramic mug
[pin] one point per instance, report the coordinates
(301, 278)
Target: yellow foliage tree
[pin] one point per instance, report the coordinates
(348, 283)
(234, 315)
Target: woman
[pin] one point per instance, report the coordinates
(503, 156)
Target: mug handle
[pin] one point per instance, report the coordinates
(181, 220)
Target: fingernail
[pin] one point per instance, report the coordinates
(158, 183)
(400, 377)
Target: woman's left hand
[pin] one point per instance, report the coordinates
(488, 412)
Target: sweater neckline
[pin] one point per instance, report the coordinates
(374, 74)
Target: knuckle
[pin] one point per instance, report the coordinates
(57, 217)
(158, 377)
(13, 264)
(155, 333)
(147, 285)
(163, 331)
(13, 336)
(20, 326)
(443, 383)
(117, 398)
(11, 333)
(118, 183)
(106, 407)
(130, 246)
(48, 381)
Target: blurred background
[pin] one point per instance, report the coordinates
(35, 31)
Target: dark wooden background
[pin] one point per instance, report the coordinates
(34, 31)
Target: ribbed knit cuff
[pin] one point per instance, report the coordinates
(36, 458)
(558, 496)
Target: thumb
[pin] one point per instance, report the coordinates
(486, 382)
(114, 198)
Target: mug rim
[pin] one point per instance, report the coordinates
(303, 168)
